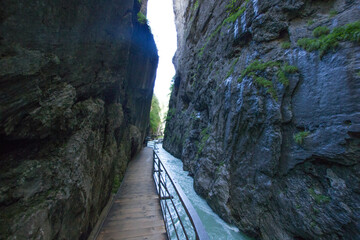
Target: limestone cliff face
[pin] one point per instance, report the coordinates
(269, 129)
(76, 82)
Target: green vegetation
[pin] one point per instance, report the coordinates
(170, 114)
(208, 39)
(234, 13)
(286, 45)
(203, 132)
(155, 119)
(319, 198)
(325, 42)
(141, 18)
(174, 139)
(257, 69)
(172, 84)
(193, 10)
(289, 68)
(231, 6)
(219, 167)
(196, 5)
(171, 87)
(321, 31)
(232, 68)
(333, 13)
(310, 22)
(315, 210)
(204, 135)
(194, 75)
(116, 184)
(300, 136)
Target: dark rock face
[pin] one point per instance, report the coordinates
(284, 167)
(76, 82)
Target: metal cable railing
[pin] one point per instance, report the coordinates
(179, 224)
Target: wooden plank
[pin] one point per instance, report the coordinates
(156, 236)
(136, 202)
(136, 211)
(133, 216)
(138, 196)
(131, 225)
(137, 205)
(141, 232)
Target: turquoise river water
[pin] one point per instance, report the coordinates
(214, 225)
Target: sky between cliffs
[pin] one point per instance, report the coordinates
(161, 20)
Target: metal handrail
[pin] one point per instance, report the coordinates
(160, 175)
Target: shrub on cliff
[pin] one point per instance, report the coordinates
(321, 31)
(300, 136)
(141, 18)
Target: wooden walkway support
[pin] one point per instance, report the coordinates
(136, 212)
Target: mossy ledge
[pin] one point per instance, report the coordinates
(257, 70)
(326, 40)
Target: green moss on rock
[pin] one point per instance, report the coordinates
(170, 114)
(300, 136)
(321, 31)
(333, 13)
(310, 22)
(231, 71)
(286, 45)
(196, 5)
(234, 13)
(319, 198)
(257, 69)
(325, 40)
(204, 136)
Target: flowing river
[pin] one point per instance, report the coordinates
(214, 225)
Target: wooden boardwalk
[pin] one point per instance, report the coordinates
(136, 212)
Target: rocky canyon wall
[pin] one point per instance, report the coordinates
(76, 82)
(265, 113)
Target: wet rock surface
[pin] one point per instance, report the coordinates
(281, 163)
(76, 82)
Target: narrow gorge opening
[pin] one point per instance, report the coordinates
(161, 20)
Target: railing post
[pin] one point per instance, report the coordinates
(159, 177)
(196, 223)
